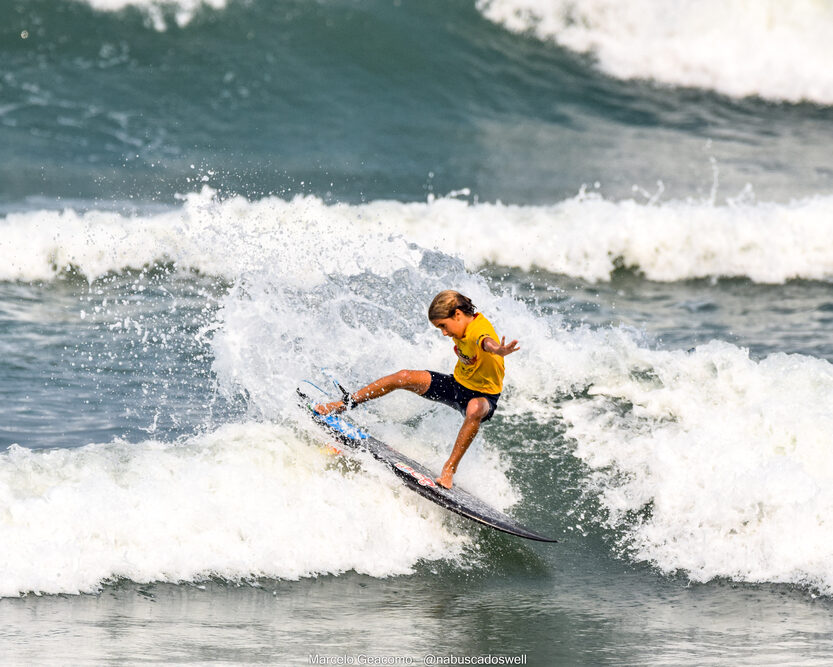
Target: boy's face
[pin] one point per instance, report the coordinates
(454, 326)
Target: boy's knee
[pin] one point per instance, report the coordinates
(477, 409)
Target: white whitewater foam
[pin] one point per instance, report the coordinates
(729, 457)
(773, 49)
(250, 500)
(586, 236)
(184, 10)
(225, 238)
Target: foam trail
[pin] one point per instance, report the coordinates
(249, 500)
(772, 49)
(585, 236)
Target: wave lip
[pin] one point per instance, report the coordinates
(770, 49)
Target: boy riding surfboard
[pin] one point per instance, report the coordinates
(473, 389)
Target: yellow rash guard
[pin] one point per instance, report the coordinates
(477, 369)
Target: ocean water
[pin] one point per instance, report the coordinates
(203, 204)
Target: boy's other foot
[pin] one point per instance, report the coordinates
(444, 480)
(329, 408)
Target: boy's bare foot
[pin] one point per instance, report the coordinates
(329, 408)
(444, 480)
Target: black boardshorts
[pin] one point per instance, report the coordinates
(445, 389)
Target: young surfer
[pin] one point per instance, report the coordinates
(475, 387)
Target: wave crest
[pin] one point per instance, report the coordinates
(771, 49)
(183, 11)
(585, 236)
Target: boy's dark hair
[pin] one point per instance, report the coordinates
(446, 302)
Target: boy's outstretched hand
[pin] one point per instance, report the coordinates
(490, 345)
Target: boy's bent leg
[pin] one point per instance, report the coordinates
(415, 381)
(476, 410)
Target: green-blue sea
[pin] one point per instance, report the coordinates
(205, 203)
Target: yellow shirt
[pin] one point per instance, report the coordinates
(477, 369)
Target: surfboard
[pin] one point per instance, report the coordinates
(418, 478)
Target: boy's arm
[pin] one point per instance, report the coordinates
(489, 344)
